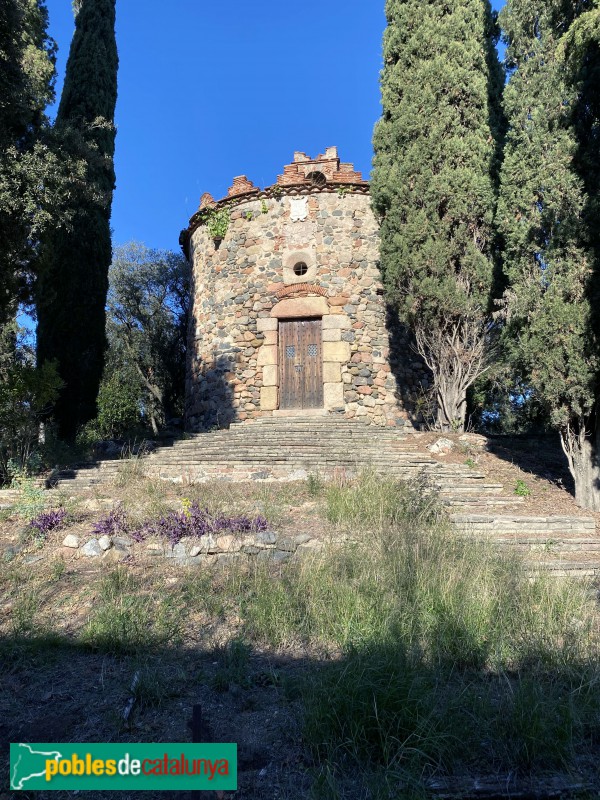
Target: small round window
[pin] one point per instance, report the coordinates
(300, 268)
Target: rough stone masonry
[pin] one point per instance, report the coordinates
(304, 249)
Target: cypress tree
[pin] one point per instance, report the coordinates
(544, 218)
(73, 266)
(434, 184)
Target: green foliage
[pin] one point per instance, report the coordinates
(435, 175)
(42, 175)
(217, 222)
(26, 87)
(377, 502)
(548, 224)
(521, 489)
(118, 406)
(148, 306)
(233, 666)
(430, 632)
(314, 485)
(26, 394)
(32, 501)
(73, 265)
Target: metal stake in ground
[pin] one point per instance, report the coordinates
(201, 734)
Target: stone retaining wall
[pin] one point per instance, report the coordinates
(202, 551)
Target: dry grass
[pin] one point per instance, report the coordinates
(407, 649)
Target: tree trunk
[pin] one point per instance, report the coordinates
(582, 449)
(457, 354)
(451, 408)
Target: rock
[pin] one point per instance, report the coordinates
(177, 551)
(71, 541)
(195, 551)
(474, 440)
(279, 556)
(289, 545)
(441, 446)
(33, 559)
(302, 538)
(229, 543)
(12, 550)
(266, 537)
(123, 541)
(309, 548)
(227, 559)
(208, 546)
(115, 555)
(298, 475)
(92, 549)
(155, 549)
(105, 542)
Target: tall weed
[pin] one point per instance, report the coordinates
(445, 651)
(129, 619)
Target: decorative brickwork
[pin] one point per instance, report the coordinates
(306, 248)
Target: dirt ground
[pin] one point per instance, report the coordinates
(537, 461)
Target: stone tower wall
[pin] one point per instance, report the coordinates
(245, 285)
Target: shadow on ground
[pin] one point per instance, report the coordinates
(540, 455)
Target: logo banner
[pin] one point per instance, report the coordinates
(106, 767)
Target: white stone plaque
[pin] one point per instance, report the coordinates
(298, 208)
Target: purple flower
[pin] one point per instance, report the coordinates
(112, 524)
(48, 521)
(196, 521)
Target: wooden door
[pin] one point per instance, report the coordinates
(300, 364)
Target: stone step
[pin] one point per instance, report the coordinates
(520, 524)
(568, 569)
(490, 500)
(460, 489)
(558, 545)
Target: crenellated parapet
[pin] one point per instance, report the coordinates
(304, 176)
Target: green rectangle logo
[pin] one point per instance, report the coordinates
(104, 767)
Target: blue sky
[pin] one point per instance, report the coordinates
(212, 90)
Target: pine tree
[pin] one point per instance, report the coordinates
(546, 222)
(26, 88)
(73, 267)
(434, 184)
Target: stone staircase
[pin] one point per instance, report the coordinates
(288, 449)
(282, 449)
(557, 544)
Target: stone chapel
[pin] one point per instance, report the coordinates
(288, 315)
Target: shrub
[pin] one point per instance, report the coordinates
(27, 393)
(174, 526)
(521, 489)
(197, 521)
(119, 401)
(112, 524)
(48, 521)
